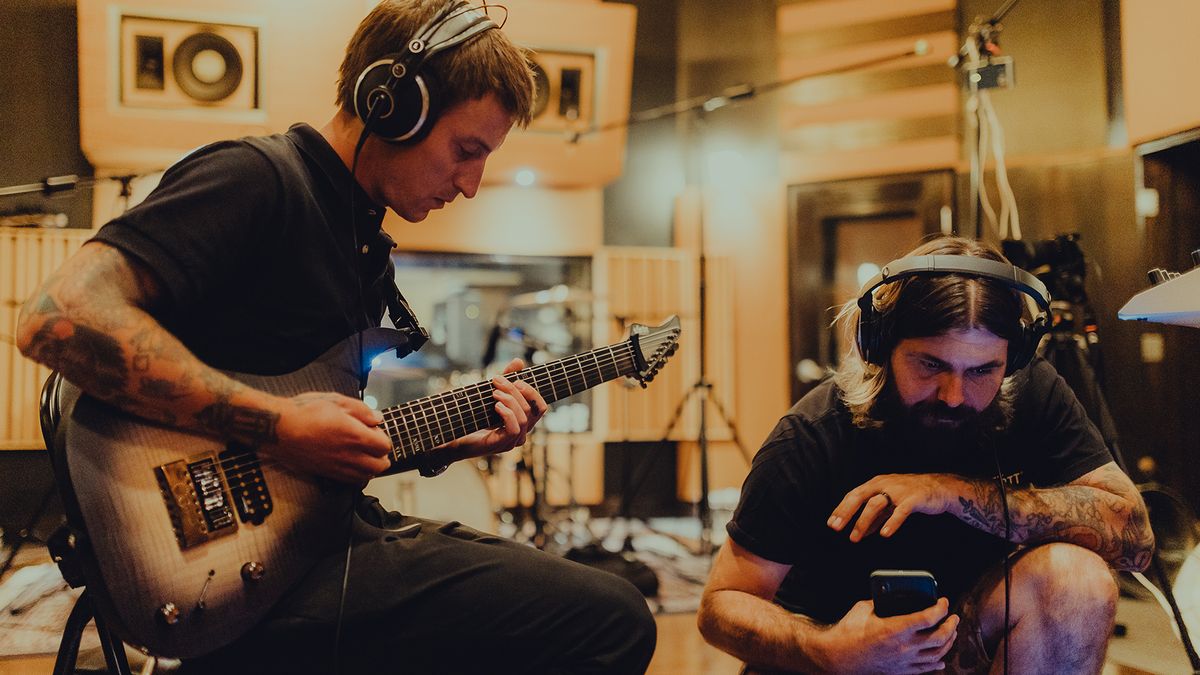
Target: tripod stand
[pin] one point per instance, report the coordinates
(702, 391)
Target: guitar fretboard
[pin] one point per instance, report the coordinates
(418, 426)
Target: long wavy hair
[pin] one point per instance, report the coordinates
(925, 306)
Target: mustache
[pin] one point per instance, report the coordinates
(939, 410)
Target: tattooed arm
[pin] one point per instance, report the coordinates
(1101, 511)
(89, 321)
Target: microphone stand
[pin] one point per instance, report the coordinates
(54, 184)
(986, 72)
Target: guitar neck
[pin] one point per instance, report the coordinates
(418, 426)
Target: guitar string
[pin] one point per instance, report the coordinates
(449, 408)
(541, 373)
(456, 419)
(541, 380)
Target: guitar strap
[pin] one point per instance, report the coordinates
(402, 317)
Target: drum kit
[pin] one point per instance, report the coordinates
(507, 493)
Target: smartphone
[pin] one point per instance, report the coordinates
(897, 592)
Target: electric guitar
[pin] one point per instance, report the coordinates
(190, 541)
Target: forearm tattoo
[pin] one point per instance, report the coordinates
(249, 425)
(85, 325)
(1101, 516)
(81, 351)
(226, 419)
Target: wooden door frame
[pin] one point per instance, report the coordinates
(813, 209)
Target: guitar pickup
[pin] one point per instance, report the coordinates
(197, 499)
(247, 484)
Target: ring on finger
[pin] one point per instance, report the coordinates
(888, 497)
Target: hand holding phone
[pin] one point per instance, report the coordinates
(897, 592)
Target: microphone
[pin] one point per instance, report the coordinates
(489, 352)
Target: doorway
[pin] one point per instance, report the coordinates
(839, 234)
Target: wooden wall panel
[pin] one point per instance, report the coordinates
(899, 115)
(1157, 47)
(27, 257)
(646, 285)
(643, 285)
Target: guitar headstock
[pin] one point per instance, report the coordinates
(652, 346)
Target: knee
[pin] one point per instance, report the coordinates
(1069, 581)
(628, 625)
(635, 611)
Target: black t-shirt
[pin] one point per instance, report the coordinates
(815, 455)
(252, 242)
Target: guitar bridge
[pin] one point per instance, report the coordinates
(197, 500)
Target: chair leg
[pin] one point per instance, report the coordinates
(114, 650)
(68, 649)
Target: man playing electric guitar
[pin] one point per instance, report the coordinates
(259, 255)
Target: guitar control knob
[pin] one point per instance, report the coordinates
(253, 571)
(1157, 276)
(1196, 257)
(168, 614)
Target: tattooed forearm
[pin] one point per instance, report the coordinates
(1103, 513)
(93, 359)
(90, 325)
(251, 426)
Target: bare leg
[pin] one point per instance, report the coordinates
(1063, 604)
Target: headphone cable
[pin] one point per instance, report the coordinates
(353, 260)
(1007, 555)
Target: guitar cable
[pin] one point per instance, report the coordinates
(1007, 555)
(362, 139)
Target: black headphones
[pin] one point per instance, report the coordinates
(873, 338)
(393, 97)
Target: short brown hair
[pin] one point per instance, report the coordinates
(488, 63)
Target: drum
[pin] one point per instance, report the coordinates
(460, 493)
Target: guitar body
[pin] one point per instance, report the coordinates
(187, 543)
(136, 558)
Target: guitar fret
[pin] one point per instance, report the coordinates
(596, 366)
(580, 374)
(468, 421)
(546, 385)
(422, 423)
(441, 408)
(479, 407)
(404, 416)
(389, 425)
(431, 423)
(455, 417)
(613, 358)
(402, 442)
(566, 378)
(583, 371)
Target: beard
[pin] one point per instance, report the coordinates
(940, 428)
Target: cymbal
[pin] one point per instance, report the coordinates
(555, 295)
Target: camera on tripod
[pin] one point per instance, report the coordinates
(1058, 262)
